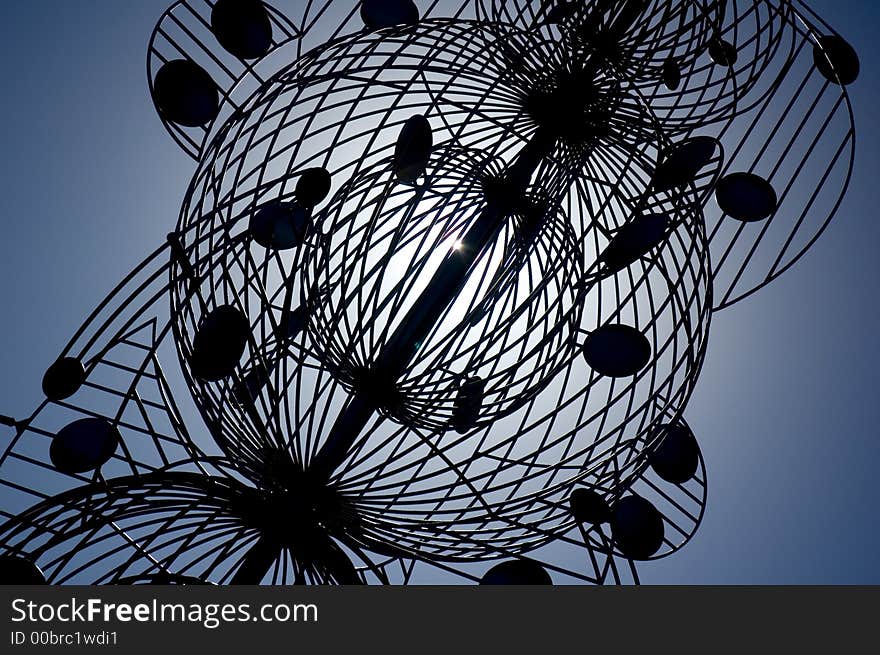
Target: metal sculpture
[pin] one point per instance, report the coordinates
(439, 291)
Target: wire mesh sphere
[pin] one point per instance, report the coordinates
(425, 401)
(509, 329)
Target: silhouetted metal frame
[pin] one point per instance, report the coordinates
(179, 504)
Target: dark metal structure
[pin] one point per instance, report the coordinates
(439, 291)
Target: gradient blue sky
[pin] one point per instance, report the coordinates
(786, 409)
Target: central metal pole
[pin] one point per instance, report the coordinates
(440, 292)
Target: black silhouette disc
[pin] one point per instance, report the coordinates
(676, 457)
(185, 94)
(683, 163)
(18, 571)
(84, 445)
(242, 27)
(836, 59)
(377, 14)
(587, 506)
(517, 572)
(313, 186)
(617, 351)
(413, 149)
(637, 527)
(219, 343)
(746, 197)
(63, 378)
(634, 240)
(722, 52)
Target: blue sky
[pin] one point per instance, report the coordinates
(786, 408)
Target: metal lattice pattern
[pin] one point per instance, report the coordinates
(439, 291)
